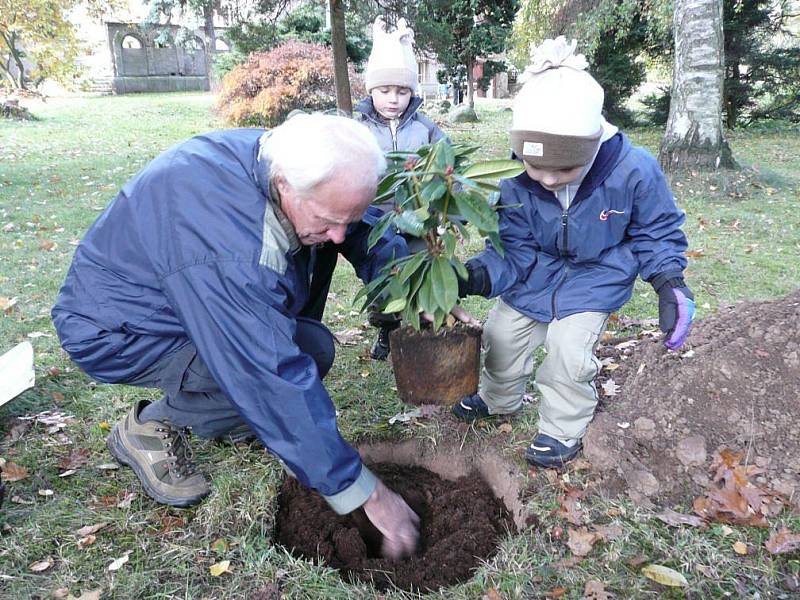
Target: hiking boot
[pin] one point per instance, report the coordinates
(471, 408)
(380, 349)
(548, 452)
(160, 456)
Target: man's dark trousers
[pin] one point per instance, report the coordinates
(193, 399)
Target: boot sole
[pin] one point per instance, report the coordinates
(118, 451)
(556, 462)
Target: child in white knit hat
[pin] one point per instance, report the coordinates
(391, 113)
(590, 213)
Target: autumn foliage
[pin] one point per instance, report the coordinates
(295, 75)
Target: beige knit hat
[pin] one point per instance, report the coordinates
(392, 60)
(558, 119)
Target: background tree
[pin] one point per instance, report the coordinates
(339, 46)
(694, 135)
(460, 31)
(38, 42)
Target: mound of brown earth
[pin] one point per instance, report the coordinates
(461, 525)
(735, 385)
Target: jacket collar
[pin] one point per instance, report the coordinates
(261, 174)
(607, 158)
(367, 108)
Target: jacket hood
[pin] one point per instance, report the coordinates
(367, 108)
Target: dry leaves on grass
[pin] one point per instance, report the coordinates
(349, 337)
(117, 564)
(783, 541)
(41, 566)
(90, 529)
(492, 594)
(581, 540)
(664, 575)
(570, 508)
(12, 471)
(736, 499)
(676, 519)
(77, 458)
(595, 590)
(219, 568)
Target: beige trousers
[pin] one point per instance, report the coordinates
(565, 378)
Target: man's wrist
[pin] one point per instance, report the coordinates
(354, 495)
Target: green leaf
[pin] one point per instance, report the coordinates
(395, 305)
(494, 237)
(433, 190)
(412, 266)
(379, 229)
(476, 210)
(426, 301)
(448, 155)
(461, 270)
(409, 222)
(492, 170)
(449, 243)
(444, 284)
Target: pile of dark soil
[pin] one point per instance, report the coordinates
(461, 524)
(735, 385)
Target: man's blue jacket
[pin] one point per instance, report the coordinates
(193, 248)
(623, 222)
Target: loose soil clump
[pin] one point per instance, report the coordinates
(461, 525)
(735, 385)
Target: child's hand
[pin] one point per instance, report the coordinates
(675, 310)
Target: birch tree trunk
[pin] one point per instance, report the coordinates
(694, 136)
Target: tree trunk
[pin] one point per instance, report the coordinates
(470, 91)
(694, 136)
(344, 101)
(17, 81)
(211, 41)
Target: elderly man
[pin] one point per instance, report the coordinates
(199, 279)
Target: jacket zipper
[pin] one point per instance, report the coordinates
(564, 249)
(393, 127)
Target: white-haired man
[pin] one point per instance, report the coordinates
(199, 279)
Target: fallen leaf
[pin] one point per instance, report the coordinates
(47, 245)
(782, 541)
(505, 428)
(41, 565)
(17, 431)
(90, 529)
(365, 374)
(699, 253)
(570, 508)
(675, 519)
(104, 426)
(219, 546)
(664, 575)
(740, 548)
(92, 595)
(67, 473)
(492, 594)
(76, 458)
(6, 304)
(348, 337)
(581, 541)
(610, 388)
(108, 467)
(126, 500)
(117, 564)
(54, 371)
(219, 568)
(556, 592)
(21, 500)
(13, 472)
(59, 593)
(610, 531)
(46, 493)
(595, 590)
(86, 541)
(58, 396)
(405, 416)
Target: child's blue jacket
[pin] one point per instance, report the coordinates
(623, 222)
(192, 249)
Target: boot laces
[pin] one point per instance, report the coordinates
(178, 448)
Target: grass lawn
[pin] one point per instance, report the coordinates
(58, 172)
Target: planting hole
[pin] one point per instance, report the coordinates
(467, 504)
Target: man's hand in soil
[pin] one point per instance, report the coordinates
(398, 524)
(675, 308)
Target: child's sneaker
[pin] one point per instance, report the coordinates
(471, 408)
(548, 452)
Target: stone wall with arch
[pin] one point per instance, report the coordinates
(145, 60)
